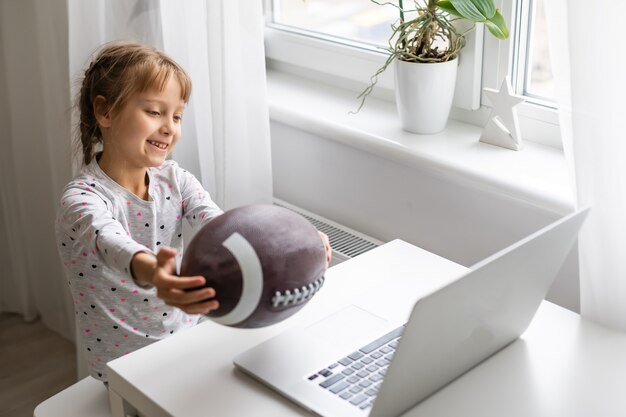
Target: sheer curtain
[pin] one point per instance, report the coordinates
(34, 161)
(589, 66)
(225, 140)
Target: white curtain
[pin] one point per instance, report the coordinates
(34, 161)
(589, 63)
(43, 47)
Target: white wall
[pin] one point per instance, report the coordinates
(387, 200)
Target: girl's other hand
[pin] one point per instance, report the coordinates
(329, 251)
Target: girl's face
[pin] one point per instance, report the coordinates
(146, 128)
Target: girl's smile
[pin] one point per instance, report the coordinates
(161, 145)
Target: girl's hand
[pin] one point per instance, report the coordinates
(172, 289)
(329, 251)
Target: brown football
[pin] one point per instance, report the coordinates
(265, 263)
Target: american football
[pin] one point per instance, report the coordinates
(265, 263)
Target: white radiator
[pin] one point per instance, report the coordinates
(345, 242)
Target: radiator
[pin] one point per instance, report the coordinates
(345, 242)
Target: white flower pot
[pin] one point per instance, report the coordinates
(424, 93)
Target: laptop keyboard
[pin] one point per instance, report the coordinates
(357, 377)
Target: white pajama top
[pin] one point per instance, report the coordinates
(100, 226)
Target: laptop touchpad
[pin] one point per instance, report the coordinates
(349, 328)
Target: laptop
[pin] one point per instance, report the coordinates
(361, 361)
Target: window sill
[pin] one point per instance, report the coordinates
(537, 174)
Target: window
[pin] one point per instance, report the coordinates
(532, 70)
(339, 40)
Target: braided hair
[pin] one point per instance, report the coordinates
(117, 71)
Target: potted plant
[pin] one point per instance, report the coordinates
(424, 45)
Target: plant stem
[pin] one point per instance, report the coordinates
(401, 6)
(430, 31)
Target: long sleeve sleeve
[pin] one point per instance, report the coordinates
(92, 232)
(198, 207)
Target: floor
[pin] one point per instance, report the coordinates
(35, 364)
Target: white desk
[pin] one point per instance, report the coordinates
(562, 366)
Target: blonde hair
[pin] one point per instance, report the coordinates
(118, 71)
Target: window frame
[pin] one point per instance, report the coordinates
(539, 122)
(349, 65)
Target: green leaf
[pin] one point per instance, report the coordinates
(475, 10)
(497, 26)
(486, 7)
(446, 6)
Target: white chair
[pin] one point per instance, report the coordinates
(87, 397)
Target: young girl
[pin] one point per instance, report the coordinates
(119, 227)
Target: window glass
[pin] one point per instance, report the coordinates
(538, 81)
(354, 20)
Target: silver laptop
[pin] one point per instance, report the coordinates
(331, 370)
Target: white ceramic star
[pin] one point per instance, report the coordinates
(502, 129)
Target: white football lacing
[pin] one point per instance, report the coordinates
(297, 295)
